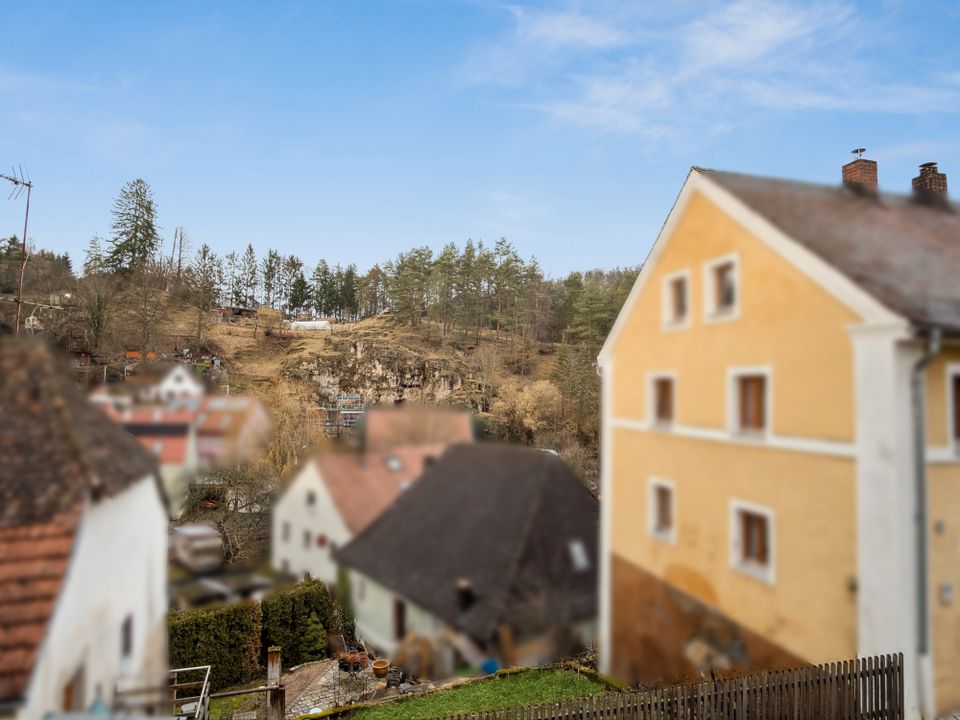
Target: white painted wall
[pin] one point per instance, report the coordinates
(178, 383)
(886, 558)
(373, 610)
(118, 568)
(320, 518)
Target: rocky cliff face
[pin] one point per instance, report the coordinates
(383, 372)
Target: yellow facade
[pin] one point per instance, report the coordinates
(785, 321)
(804, 471)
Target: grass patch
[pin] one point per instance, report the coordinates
(526, 688)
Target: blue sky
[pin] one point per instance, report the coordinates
(353, 130)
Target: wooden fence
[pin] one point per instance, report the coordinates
(864, 689)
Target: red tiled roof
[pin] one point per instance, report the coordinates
(168, 449)
(386, 428)
(364, 485)
(56, 450)
(33, 562)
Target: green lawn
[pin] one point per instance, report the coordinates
(527, 688)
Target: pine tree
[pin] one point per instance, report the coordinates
(313, 642)
(322, 283)
(94, 261)
(205, 280)
(299, 294)
(136, 236)
(269, 272)
(248, 278)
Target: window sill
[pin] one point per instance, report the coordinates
(748, 435)
(665, 536)
(662, 425)
(763, 573)
(674, 325)
(719, 316)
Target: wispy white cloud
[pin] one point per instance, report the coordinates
(673, 76)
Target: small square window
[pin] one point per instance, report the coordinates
(752, 403)
(306, 539)
(311, 497)
(663, 400)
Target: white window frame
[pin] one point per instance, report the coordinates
(765, 573)
(667, 319)
(952, 371)
(652, 399)
(733, 401)
(653, 483)
(710, 312)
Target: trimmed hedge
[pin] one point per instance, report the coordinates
(286, 613)
(226, 637)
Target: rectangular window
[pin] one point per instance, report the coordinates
(663, 400)
(752, 403)
(678, 295)
(675, 298)
(955, 406)
(286, 531)
(399, 619)
(306, 540)
(311, 498)
(126, 637)
(752, 540)
(724, 287)
(721, 295)
(661, 516)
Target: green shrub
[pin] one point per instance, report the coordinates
(286, 615)
(313, 644)
(226, 637)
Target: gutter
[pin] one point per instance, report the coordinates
(920, 501)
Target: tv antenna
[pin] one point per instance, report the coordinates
(858, 152)
(20, 181)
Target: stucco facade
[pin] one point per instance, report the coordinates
(117, 573)
(307, 527)
(829, 474)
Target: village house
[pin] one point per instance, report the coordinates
(171, 436)
(335, 495)
(83, 531)
(493, 553)
(780, 404)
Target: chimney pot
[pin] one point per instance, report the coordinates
(861, 174)
(930, 184)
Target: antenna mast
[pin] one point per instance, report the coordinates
(20, 181)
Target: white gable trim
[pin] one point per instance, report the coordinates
(821, 272)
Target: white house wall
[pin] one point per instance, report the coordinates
(373, 609)
(118, 568)
(321, 518)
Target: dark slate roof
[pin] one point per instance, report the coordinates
(502, 517)
(54, 446)
(904, 253)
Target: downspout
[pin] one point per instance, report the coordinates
(920, 500)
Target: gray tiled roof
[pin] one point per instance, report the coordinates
(904, 253)
(500, 516)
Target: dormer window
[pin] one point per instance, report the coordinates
(722, 291)
(676, 300)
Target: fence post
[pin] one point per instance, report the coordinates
(276, 695)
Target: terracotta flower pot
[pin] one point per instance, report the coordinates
(380, 668)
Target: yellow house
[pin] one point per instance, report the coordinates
(787, 354)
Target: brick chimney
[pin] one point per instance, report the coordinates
(861, 174)
(930, 183)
